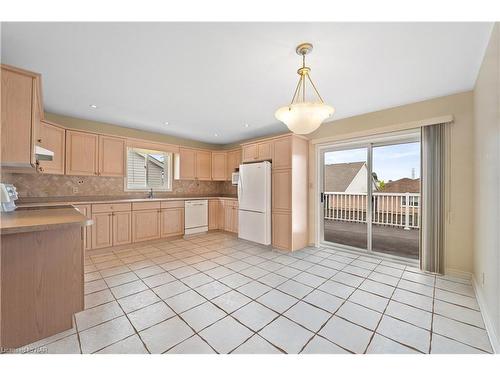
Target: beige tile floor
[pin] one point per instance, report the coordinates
(216, 294)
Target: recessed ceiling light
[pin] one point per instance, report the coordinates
(216, 135)
(246, 125)
(93, 106)
(165, 123)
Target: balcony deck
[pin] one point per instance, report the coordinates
(386, 239)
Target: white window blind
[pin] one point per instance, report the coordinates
(148, 169)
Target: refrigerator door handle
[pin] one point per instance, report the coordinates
(240, 187)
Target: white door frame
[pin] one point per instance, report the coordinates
(363, 142)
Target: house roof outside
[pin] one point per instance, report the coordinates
(403, 185)
(338, 177)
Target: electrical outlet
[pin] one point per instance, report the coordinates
(482, 281)
(75, 190)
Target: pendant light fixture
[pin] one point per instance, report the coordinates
(301, 116)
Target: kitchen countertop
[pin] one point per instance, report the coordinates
(95, 200)
(22, 221)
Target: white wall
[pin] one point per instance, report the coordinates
(486, 253)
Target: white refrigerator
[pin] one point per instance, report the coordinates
(254, 198)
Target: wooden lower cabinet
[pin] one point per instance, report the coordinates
(230, 220)
(172, 222)
(213, 214)
(122, 228)
(282, 230)
(145, 225)
(102, 230)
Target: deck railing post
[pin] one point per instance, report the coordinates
(407, 212)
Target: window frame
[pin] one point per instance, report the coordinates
(168, 170)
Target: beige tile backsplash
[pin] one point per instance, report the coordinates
(52, 186)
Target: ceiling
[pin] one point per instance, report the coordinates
(213, 78)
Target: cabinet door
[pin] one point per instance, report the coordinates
(250, 152)
(145, 225)
(264, 151)
(234, 227)
(17, 104)
(233, 162)
(228, 217)
(172, 222)
(221, 217)
(102, 230)
(111, 156)
(282, 157)
(187, 163)
(282, 230)
(213, 214)
(203, 165)
(219, 166)
(87, 230)
(52, 138)
(122, 228)
(81, 153)
(282, 189)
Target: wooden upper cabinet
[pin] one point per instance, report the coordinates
(257, 151)
(21, 115)
(219, 166)
(264, 150)
(203, 165)
(111, 156)
(52, 137)
(233, 162)
(282, 157)
(81, 153)
(250, 152)
(187, 164)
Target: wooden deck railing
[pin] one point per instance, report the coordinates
(392, 209)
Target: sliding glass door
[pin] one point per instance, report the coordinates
(370, 195)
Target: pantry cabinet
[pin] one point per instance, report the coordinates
(21, 113)
(111, 156)
(219, 166)
(52, 137)
(81, 153)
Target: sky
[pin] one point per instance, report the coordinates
(389, 162)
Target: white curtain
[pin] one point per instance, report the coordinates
(432, 234)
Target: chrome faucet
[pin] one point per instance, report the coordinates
(151, 196)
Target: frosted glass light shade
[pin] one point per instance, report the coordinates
(304, 118)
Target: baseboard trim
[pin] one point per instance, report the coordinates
(490, 328)
(458, 273)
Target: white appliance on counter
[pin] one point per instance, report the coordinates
(8, 196)
(195, 216)
(254, 200)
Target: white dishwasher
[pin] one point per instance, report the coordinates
(195, 216)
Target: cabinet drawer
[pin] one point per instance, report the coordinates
(230, 202)
(172, 204)
(111, 207)
(146, 206)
